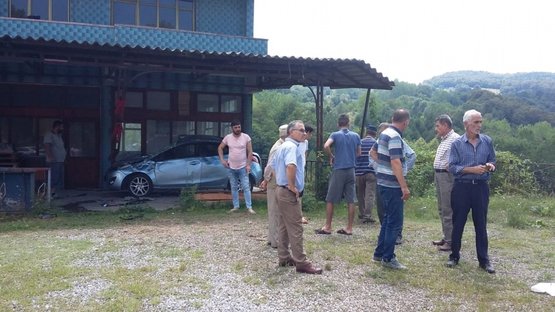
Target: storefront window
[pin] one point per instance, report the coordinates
(157, 135)
(134, 99)
(182, 128)
(207, 128)
(207, 103)
(82, 139)
(131, 138)
(231, 104)
(158, 100)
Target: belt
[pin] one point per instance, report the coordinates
(471, 181)
(285, 187)
(441, 170)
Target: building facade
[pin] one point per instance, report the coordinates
(125, 76)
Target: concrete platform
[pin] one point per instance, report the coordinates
(79, 200)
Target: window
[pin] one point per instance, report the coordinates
(213, 103)
(207, 128)
(207, 103)
(131, 138)
(172, 14)
(157, 135)
(53, 10)
(82, 139)
(157, 100)
(133, 99)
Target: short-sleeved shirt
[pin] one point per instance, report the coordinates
(363, 161)
(289, 154)
(441, 161)
(56, 146)
(390, 146)
(303, 147)
(345, 145)
(237, 150)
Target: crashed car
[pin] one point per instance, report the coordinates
(193, 162)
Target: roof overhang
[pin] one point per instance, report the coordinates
(259, 71)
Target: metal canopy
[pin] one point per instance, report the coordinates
(259, 71)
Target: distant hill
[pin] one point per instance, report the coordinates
(536, 88)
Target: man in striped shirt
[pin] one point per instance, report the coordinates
(392, 186)
(471, 161)
(366, 177)
(444, 179)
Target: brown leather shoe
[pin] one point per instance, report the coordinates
(445, 247)
(288, 262)
(308, 269)
(439, 242)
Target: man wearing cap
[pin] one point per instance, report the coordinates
(269, 184)
(366, 177)
(444, 179)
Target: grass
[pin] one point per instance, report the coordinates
(42, 261)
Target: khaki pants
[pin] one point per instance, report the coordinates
(290, 229)
(366, 195)
(272, 212)
(444, 185)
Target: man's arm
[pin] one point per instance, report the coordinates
(221, 154)
(327, 150)
(249, 156)
(397, 168)
(291, 172)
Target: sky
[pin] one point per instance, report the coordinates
(414, 40)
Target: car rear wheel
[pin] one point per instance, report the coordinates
(139, 185)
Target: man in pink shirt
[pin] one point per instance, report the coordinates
(238, 163)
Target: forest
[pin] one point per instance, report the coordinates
(518, 112)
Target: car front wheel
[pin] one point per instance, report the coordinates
(139, 185)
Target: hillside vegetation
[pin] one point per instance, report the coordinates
(518, 111)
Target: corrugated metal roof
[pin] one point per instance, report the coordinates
(260, 71)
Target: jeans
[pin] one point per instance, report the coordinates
(392, 221)
(237, 176)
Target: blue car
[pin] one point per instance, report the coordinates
(192, 162)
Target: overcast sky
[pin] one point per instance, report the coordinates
(414, 40)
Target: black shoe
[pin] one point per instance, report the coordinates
(488, 268)
(452, 263)
(399, 240)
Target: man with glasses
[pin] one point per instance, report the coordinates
(346, 145)
(289, 169)
(238, 164)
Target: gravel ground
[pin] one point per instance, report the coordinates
(225, 265)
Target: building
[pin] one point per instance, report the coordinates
(130, 76)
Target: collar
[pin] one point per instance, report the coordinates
(289, 139)
(397, 129)
(465, 137)
(447, 135)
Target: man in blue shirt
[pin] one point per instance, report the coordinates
(471, 161)
(392, 187)
(346, 146)
(289, 170)
(366, 177)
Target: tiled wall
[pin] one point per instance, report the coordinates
(222, 26)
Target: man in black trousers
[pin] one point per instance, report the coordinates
(471, 161)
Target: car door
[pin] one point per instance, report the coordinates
(177, 168)
(213, 174)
